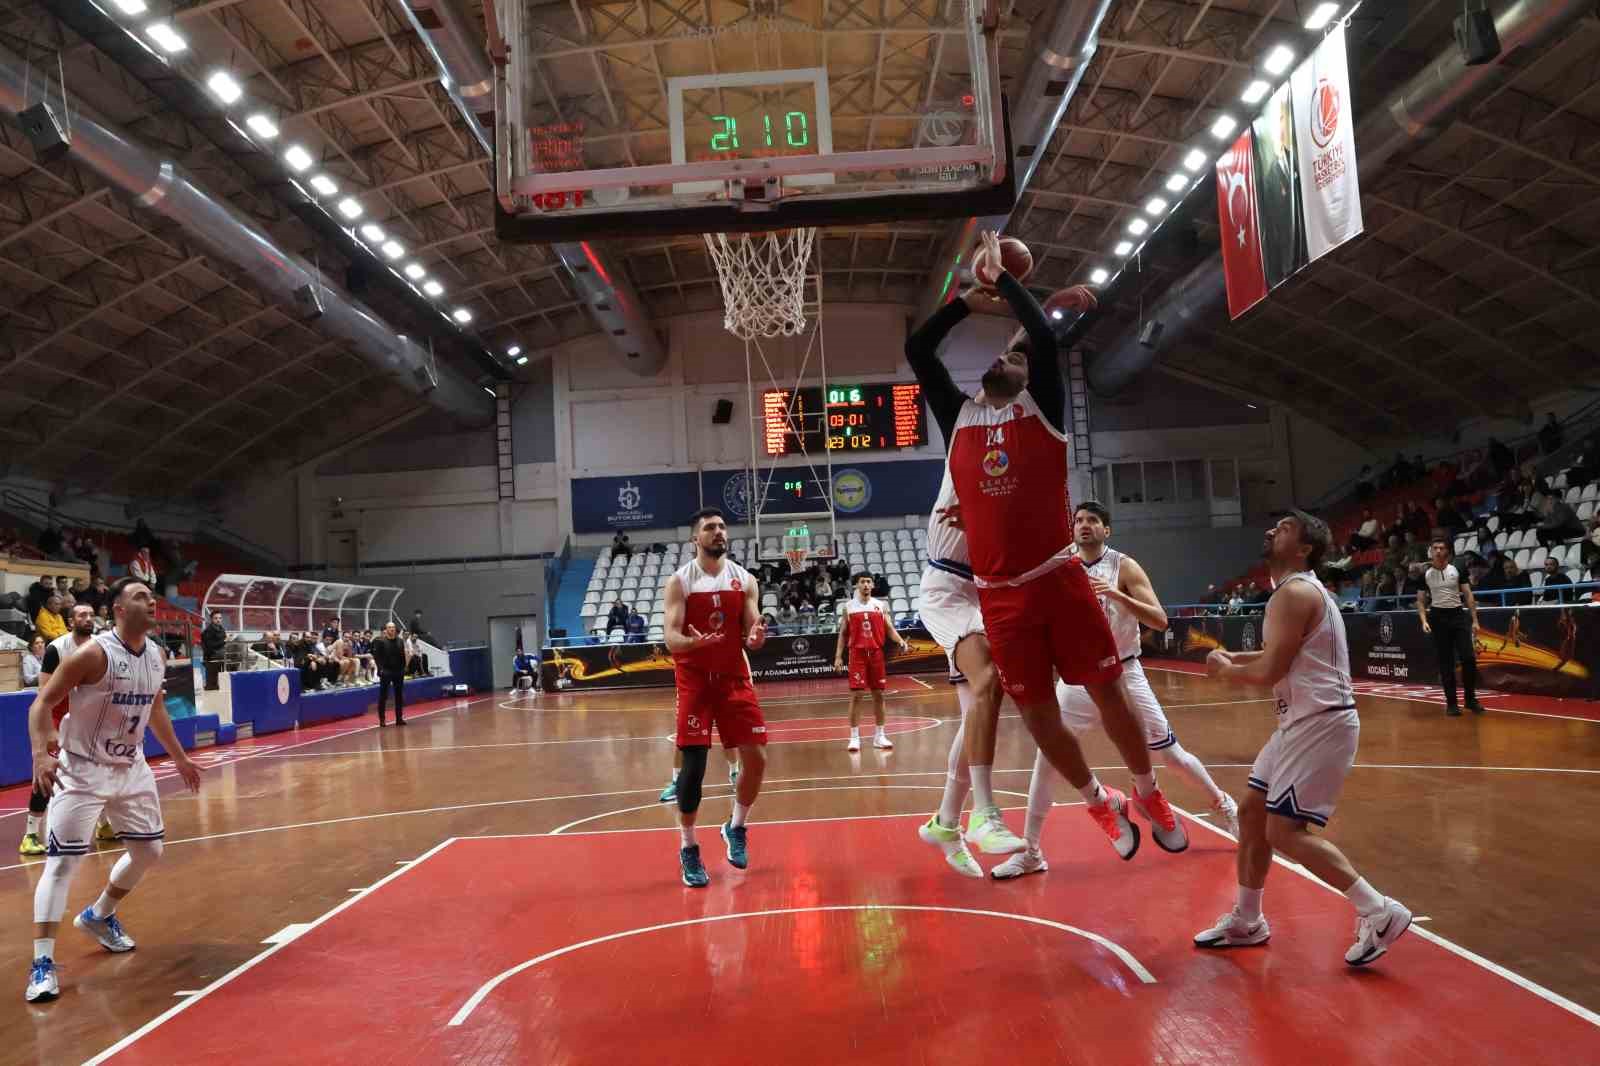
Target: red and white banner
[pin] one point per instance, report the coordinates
(1325, 141)
(1241, 233)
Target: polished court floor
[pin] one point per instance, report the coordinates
(496, 884)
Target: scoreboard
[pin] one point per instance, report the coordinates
(850, 418)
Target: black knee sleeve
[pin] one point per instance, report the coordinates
(37, 803)
(691, 778)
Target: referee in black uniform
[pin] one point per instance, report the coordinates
(1451, 617)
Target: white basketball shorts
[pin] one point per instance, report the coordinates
(1081, 715)
(1303, 767)
(84, 788)
(949, 611)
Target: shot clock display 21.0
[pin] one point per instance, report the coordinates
(793, 131)
(854, 418)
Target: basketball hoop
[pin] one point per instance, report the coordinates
(797, 559)
(763, 279)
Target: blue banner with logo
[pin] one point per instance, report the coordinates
(643, 501)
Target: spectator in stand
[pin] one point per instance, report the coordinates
(10, 543)
(1447, 518)
(33, 662)
(1590, 549)
(1386, 589)
(1550, 434)
(789, 611)
(1560, 522)
(49, 622)
(1235, 601)
(361, 649)
(620, 548)
(1554, 578)
(102, 618)
(143, 568)
(1518, 586)
(389, 651)
(636, 627)
(270, 647)
(1339, 561)
(1366, 535)
(38, 592)
(1500, 457)
(618, 618)
(1396, 553)
(1409, 584)
(416, 662)
(417, 630)
(824, 588)
(1369, 591)
(213, 639)
(1349, 593)
(83, 547)
(332, 631)
(1587, 467)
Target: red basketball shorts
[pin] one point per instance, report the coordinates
(867, 670)
(725, 701)
(1052, 622)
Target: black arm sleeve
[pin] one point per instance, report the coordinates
(52, 660)
(922, 352)
(1044, 371)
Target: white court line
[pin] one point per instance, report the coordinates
(287, 933)
(774, 792)
(490, 985)
(1471, 956)
(248, 964)
(766, 701)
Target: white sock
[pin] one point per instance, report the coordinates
(957, 777)
(675, 777)
(35, 823)
(1040, 787)
(854, 732)
(1249, 905)
(982, 787)
(741, 811)
(1092, 792)
(44, 947)
(1366, 899)
(1144, 784)
(105, 906)
(686, 836)
(878, 731)
(1193, 770)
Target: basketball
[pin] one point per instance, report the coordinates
(1015, 259)
(1075, 300)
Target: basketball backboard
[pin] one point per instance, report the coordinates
(617, 120)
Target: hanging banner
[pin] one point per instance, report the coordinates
(1241, 237)
(1280, 212)
(1325, 142)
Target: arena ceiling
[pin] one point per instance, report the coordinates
(136, 361)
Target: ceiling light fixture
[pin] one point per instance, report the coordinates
(416, 271)
(1155, 206)
(461, 315)
(298, 158)
(1194, 160)
(131, 7)
(372, 234)
(1257, 91)
(1123, 248)
(1177, 183)
(1138, 227)
(522, 361)
(1278, 59)
(325, 185)
(394, 249)
(1322, 16)
(262, 126)
(1223, 127)
(1098, 276)
(432, 288)
(223, 87)
(514, 351)
(350, 207)
(168, 38)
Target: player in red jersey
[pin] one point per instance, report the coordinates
(1008, 464)
(864, 629)
(713, 613)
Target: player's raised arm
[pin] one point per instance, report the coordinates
(922, 352)
(1044, 370)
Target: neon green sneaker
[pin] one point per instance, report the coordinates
(990, 834)
(670, 793)
(950, 842)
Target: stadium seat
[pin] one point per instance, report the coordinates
(1461, 545)
(1591, 491)
(1522, 557)
(1501, 540)
(1560, 481)
(901, 605)
(1536, 579)
(1586, 510)
(1493, 524)
(1536, 558)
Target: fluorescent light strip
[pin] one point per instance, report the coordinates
(1278, 59)
(1322, 16)
(1257, 92)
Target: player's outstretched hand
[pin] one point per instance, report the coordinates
(44, 772)
(700, 639)
(756, 637)
(190, 774)
(991, 246)
(1216, 661)
(951, 516)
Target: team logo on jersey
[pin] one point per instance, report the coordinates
(121, 668)
(735, 586)
(1016, 410)
(996, 462)
(716, 620)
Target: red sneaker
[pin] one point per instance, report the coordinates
(1112, 816)
(1165, 826)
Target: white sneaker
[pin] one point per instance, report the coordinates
(1375, 934)
(988, 831)
(1232, 931)
(1026, 861)
(1227, 812)
(107, 930)
(42, 985)
(880, 740)
(955, 852)
(855, 743)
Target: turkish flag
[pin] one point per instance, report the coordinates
(1241, 232)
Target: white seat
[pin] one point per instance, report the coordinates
(1586, 510)
(901, 605)
(1591, 491)
(1559, 553)
(920, 535)
(1522, 556)
(903, 536)
(1536, 558)
(1560, 481)
(1574, 494)
(1536, 579)
(589, 610)
(1461, 545)
(613, 584)
(617, 637)
(1494, 524)
(1501, 540)
(658, 619)
(1575, 574)
(657, 633)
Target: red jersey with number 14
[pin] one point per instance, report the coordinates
(868, 622)
(714, 603)
(1009, 468)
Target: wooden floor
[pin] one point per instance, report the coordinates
(1483, 825)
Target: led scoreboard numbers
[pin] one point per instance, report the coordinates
(854, 418)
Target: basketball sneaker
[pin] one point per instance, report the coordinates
(694, 871)
(670, 793)
(1027, 861)
(1164, 824)
(855, 743)
(42, 986)
(1232, 931)
(1375, 933)
(881, 740)
(1227, 812)
(734, 836)
(1112, 817)
(955, 850)
(30, 845)
(107, 930)
(988, 831)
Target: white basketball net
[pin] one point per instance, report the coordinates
(763, 280)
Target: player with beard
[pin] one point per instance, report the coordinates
(1007, 455)
(713, 608)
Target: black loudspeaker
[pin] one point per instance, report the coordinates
(1150, 335)
(44, 129)
(308, 301)
(723, 413)
(1475, 33)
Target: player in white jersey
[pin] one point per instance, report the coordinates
(1130, 601)
(80, 633)
(952, 617)
(114, 687)
(1297, 777)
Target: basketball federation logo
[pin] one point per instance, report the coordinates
(996, 462)
(1327, 108)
